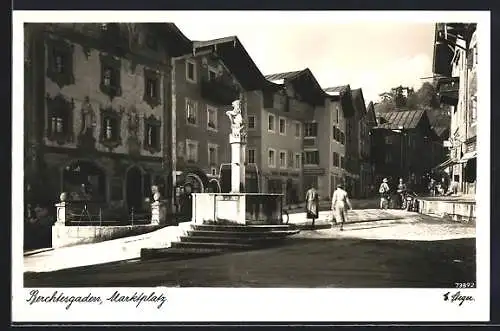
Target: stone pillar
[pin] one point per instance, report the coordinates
(158, 211)
(237, 163)
(61, 210)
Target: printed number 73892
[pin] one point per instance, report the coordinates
(465, 285)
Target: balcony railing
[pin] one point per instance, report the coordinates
(219, 91)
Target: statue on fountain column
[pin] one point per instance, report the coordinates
(236, 119)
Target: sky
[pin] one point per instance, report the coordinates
(374, 56)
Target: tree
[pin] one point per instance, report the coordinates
(425, 98)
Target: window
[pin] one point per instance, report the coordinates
(473, 109)
(337, 113)
(310, 129)
(152, 129)
(342, 162)
(212, 74)
(60, 62)
(336, 159)
(60, 120)
(336, 133)
(342, 137)
(271, 158)
(389, 140)
(110, 75)
(192, 151)
(298, 158)
(251, 122)
(191, 112)
(251, 156)
(213, 154)
(152, 87)
(191, 71)
(110, 128)
(297, 129)
(311, 157)
(212, 118)
(282, 123)
(283, 162)
(270, 123)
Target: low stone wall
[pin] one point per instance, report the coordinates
(454, 210)
(63, 236)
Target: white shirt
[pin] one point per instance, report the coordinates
(340, 199)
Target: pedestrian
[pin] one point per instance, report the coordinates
(384, 191)
(340, 203)
(401, 192)
(312, 204)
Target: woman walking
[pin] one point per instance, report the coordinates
(312, 204)
(340, 203)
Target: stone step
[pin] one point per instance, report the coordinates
(238, 240)
(241, 234)
(242, 228)
(211, 245)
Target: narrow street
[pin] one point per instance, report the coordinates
(391, 249)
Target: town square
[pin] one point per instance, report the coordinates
(159, 154)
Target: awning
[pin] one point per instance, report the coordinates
(467, 156)
(445, 164)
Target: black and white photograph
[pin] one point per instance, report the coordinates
(231, 150)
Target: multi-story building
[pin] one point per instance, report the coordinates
(337, 104)
(204, 90)
(96, 99)
(225, 72)
(367, 123)
(455, 64)
(287, 140)
(405, 146)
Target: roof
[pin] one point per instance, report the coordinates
(358, 101)
(371, 117)
(337, 90)
(441, 131)
(283, 75)
(305, 84)
(402, 119)
(172, 35)
(234, 55)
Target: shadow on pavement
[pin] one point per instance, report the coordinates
(301, 262)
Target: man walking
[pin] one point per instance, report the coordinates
(384, 194)
(312, 204)
(340, 203)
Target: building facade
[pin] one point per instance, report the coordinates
(367, 171)
(96, 96)
(335, 110)
(204, 91)
(405, 146)
(455, 64)
(289, 146)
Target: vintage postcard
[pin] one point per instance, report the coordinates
(250, 166)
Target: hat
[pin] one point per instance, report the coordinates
(385, 180)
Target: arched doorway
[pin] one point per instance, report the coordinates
(84, 180)
(196, 183)
(213, 186)
(134, 188)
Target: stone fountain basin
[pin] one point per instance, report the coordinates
(237, 208)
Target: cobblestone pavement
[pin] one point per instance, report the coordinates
(362, 224)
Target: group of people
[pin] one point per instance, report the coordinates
(386, 194)
(340, 205)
